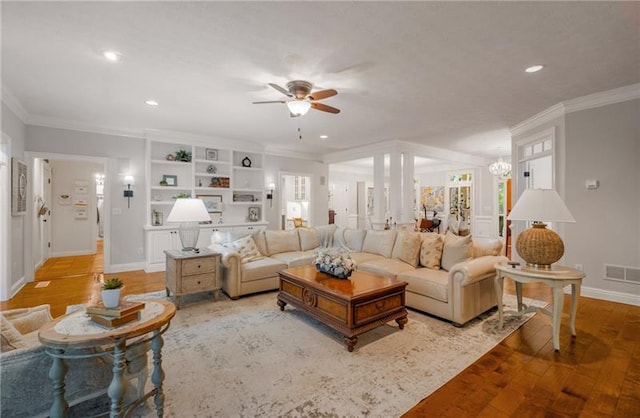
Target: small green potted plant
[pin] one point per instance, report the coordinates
(110, 294)
(183, 155)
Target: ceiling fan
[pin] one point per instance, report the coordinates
(302, 99)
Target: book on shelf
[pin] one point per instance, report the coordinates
(112, 321)
(126, 307)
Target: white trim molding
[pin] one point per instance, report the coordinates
(14, 104)
(118, 268)
(608, 295)
(603, 98)
(49, 122)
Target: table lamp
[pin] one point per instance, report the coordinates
(188, 212)
(538, 246)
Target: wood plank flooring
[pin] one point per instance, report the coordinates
(595, 375)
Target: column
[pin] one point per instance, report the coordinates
(408, 193)
(379, 203)
(395, 186)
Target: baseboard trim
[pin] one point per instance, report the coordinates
(154, 267)
(15, 288)
(73, 253)
(609, 295)
(118, 268)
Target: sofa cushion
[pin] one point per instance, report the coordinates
(379, 242)
(26, 320)
(309, 239)
(282, 241)
(11, 338)
(427, 282)
(486, 246)
(296, 258)
(353, 238)
(407, 247)
(246, 247)
(325, 234)
(262, 269)
(431, 250)
(456, 250)
(261, 241)
(360, 257)
(388, 267)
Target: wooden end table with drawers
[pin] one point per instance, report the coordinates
(350, 306)
(189, 272)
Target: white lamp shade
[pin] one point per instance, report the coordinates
(299, 107)
(544, 205)
(128, 180)
(188, 210)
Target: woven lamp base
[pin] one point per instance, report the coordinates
(540, 247)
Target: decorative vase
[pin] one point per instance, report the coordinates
(324, 268)
(111, 297)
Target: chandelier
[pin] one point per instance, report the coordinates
(500, 167)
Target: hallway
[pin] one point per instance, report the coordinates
(61, 267)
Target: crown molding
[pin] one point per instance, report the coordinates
(603, 98)
(590, 101)
(550, 113)
(14, 104)
(202, 140)
(284, 152)
(394, 146)
(48, 122)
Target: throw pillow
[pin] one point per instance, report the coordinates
(325, 234)
(261, 242)
(379, 242)
(456, 250)
(308, 239)
(431, 250)
(10, 334)
(282, 241)
(487, 246)
(407, 247)
(247, 249)
(353, 238)
(29, 320)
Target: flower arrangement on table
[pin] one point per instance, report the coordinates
(337, 263)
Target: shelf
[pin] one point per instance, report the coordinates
(211, 161)
(171, 188)
(244, 203)
(239, 167)
(167, 162)
(162, 202)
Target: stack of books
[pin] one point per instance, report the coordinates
(126, 312)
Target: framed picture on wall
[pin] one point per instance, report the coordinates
(254, 213)
(211, 154)
(213, 202)
(169, 180)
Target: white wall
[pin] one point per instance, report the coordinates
(126, 240)
(71, 235)
(274, 165)
(604, 144)
(13, 127)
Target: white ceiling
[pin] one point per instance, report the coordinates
(448, 75)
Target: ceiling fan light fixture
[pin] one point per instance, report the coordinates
(299, 107)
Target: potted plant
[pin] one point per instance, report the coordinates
(110, 293)
(183, 155)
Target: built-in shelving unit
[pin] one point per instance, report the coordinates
(231, 182)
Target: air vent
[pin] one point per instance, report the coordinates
(622, 274)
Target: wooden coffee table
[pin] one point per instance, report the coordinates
(352, 307)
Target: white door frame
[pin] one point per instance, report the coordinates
(282, 195)
(5, 214)
(30, 156)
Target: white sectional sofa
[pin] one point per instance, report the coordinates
(448, 276)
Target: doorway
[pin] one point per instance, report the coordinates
(65, 195)
(296, 200)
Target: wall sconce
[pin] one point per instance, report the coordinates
(270, 194)
(128, 181)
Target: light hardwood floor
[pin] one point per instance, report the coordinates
(595, 375)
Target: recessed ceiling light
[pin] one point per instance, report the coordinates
(534, 68)
(151, 102)
(324, 136)
(111, 55)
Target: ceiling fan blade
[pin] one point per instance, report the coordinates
(322, 94)
(270, 101)
(324, 107)
(281, 89)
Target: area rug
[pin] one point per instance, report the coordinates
(247, 358)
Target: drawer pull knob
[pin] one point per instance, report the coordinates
(198, 265)
(198, 281)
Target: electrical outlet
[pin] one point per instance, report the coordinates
(116, 211)
(578, 267)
